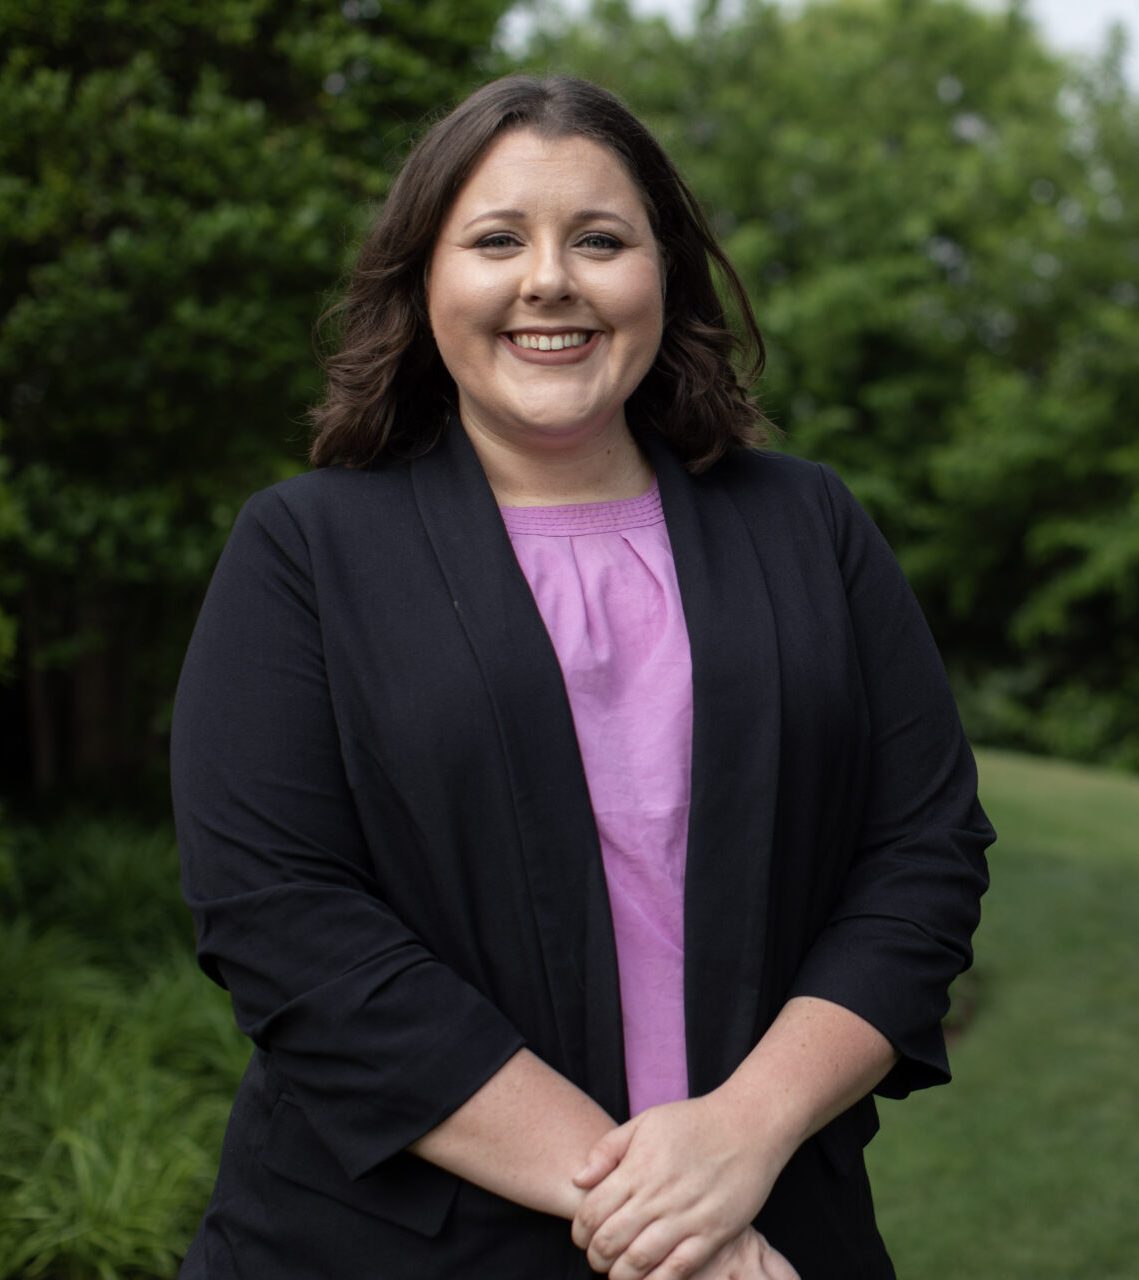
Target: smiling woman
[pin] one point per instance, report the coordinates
(548, 314)
(586, 193)
(569, 792)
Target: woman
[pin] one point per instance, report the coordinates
(548, 757)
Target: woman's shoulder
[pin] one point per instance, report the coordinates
(774, 467)
(326, 513)
(320, 485)
(770, 478)
(330, 493)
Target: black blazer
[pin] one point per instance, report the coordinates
(392, 863)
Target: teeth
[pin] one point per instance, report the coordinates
(549, 342)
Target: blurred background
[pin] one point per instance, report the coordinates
(935, 207)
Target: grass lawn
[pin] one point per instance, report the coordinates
(1028, 1165)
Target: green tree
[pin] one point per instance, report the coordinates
(938, 222)
(179, 186)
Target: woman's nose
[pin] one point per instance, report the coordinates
(547, 277)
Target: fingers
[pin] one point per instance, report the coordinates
(737, 1259)
(626, 1248)
(656, 1253)
(615, 1233)
(775, 1265)
(595, 1213)
(746, 1257)
(605, 1157)
(659, 1251)
(687, 1259)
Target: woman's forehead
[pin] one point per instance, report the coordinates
(525, 171)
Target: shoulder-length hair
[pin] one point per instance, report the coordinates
(388, 393)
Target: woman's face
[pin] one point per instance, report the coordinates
(545, 293)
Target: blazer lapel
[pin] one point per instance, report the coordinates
(735, 764)
(556, 829)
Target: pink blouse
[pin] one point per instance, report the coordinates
(603, 577)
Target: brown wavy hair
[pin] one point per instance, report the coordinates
(388, 393)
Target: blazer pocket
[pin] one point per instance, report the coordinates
(404, 1190)
(843, 1139)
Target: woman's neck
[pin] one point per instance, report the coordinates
(608, 469)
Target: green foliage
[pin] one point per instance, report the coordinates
(179, 185)
(107, 1156)
(1023, 1167)
(115, 1079)
(938, 222)
(117, 1059)
(11, 527)
(108, 881)
(937, 218)
(48, 969)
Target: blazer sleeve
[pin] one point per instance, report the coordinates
(375, 1039)
(901, 929)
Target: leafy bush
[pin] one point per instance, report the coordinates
(180, 182)
(48, 972)
(108, 1155)
(118, 1060)
(110, 881)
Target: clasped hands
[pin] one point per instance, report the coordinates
(671, 1195)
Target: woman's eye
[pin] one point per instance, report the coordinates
(599, 240)
(497, 240)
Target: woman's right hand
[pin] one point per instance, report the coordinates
(747, 1257)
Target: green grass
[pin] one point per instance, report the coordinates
(1028, 1165)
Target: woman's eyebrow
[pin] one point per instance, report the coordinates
(506, 215)
(517, 215)
(595, 215)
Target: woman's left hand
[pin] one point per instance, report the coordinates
(676, 1182)
(747, 1257)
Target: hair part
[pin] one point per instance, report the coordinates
(387, 391)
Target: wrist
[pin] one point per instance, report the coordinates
(565, 1199)
(768, 1112)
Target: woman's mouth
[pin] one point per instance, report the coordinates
(550, 341)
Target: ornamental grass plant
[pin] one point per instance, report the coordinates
(117, 1059)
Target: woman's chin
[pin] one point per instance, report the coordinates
(549, 427)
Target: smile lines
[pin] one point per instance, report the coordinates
(549, 341)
